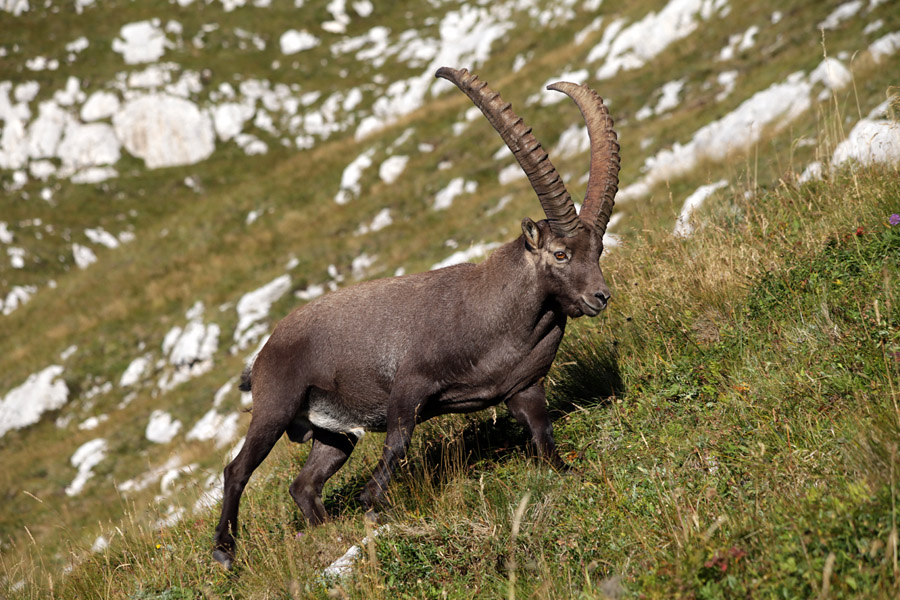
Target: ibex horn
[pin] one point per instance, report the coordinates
(603, 180)
(547, 184)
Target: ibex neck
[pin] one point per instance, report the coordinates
(510, 287)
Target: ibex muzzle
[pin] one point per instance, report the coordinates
(384, 355)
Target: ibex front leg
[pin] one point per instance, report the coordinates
(401, 420)
(529, 407)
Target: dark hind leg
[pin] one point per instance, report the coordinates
(329, 452)
(266, 427)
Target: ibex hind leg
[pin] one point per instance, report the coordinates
(269, 422)
(329, 452)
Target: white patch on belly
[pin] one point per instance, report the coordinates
(329, 422)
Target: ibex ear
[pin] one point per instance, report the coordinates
(532, 234)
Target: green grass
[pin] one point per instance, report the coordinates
(732, 420)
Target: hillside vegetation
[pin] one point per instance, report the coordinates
(732, 419)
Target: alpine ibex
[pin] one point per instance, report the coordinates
(384, 355)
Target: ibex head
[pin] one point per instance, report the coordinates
(565, 247)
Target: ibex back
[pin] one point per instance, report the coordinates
(386, 354)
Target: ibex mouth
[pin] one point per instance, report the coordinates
(591, 310)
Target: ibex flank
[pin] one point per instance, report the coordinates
(384, 355)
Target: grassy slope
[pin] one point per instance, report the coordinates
(699, 363)
(751, 435)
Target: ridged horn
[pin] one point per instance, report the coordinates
(533, 159)
(603, 179)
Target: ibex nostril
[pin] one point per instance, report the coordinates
(604, 298)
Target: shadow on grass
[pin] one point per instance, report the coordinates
(590, 377)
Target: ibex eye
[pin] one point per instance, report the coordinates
(560, 255)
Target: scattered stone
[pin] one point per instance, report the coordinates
(254, 306)
(350, 187)
(457, 186)
(379, 222)
(165, 131)
(476, 250)
(391, 169)
(162, 428)
(46, 130)
(17, 296)
(100, 544)
(683, 226)
(510, 173)
(141, 42)
(361, 264)
(91, 145)
(870, 142)
(99, 105)
(94, 175)
(229, 118)
(215, 426)
(16, 7)
(293, 41)
(840, 14)
(16, 257)
(84, 256)
(41, 392)
(86, 457)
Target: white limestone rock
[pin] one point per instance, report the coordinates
(162, 428)
(16, 257)
(189, 350)
(229, 118)
(46, 130)
(94, 175)
(90, 145)
(136, 370)
(99, 105)
(871, 141)
(461, 256)
(350, 178)
(215, 426)
(572, 142)
(457, 186)
(683, 226)
(6, 236)
(165, 131)
(293, 41)
(392, 168)
(885, 46)
(84, 256)
(254, 306)
(379, 222)
(832, 74)
(13, 145)
(26, 92)
(86, 457)
(71, 94)
(98, 235)
(23, 405)
(510, 173)
(141, 42)
(16, 7)
(78, 45)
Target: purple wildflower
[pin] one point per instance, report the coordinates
(894, 219)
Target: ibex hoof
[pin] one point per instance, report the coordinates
(373, 517)
(564, 468)
(223, 558)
